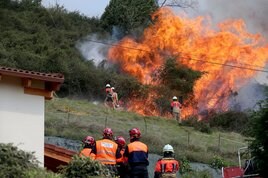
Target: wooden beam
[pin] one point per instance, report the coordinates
(26, 82)
(52, 86)
(58, 153)
(40, 92)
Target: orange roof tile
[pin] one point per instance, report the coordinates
(50, 77)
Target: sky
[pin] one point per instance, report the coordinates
(87, 7)
(252, 12)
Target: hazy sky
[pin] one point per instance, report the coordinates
(253, 12)
(86, 7)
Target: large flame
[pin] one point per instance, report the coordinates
(198, 46)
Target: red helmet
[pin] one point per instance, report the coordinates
(135, 133)
(120, 141)
(88, 140)
(108, 132)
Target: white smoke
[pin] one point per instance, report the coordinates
(254, 13)
(92, 48)
(95, 48)
(248, 96)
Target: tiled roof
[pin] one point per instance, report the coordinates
(50, 77)
(55, 156)
(59, 151)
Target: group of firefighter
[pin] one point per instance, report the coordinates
(112, 99)
(128, 160)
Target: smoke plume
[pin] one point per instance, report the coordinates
(93, 49)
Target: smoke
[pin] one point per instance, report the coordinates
(254, 13)
(248, 96)
(95, 48)
(92, 48)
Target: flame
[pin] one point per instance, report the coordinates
(199, 47)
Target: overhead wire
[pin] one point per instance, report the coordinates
(261, 69)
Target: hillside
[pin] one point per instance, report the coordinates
(74, 119)
(44, 39)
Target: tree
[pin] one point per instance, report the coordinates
(178, 78)
(177, 3)
(127, 15)
(259, 146)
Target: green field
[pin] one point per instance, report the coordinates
(74, 119)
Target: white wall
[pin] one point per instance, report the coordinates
(21, 118)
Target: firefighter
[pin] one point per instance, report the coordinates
(121, 162)
(108, 88)
(176, 109)
(89, 143)
(107, 151)
(137, 155)
(115, 97)
(166, 167)
(109, 96)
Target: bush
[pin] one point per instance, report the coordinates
(185, 166)
(202, 126)
(40, 173)
(230, 121)
(85, 168)
(218, 162)
(190, 121)
(15, 162)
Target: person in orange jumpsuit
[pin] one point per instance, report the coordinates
(137, 155)
(109, 101)
(176, 109)
(121, 162)
(107, 151)
(89, 143)
(166, 167)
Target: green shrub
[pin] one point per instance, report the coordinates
(85, 168)
(218, 162)
(230, 121)
(185, 166)
(14, 162)
(202, 125)
(190, 121)
(40, 173)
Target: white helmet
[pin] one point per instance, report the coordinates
(108, 86)
(113, 88)
(168, 148)
(174, 98)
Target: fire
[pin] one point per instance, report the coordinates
(199, 47)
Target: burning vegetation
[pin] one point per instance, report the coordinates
(227, 57)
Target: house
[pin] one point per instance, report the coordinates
(22, 107)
